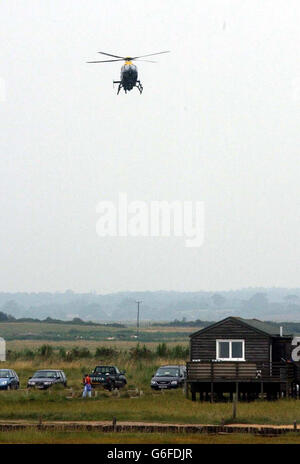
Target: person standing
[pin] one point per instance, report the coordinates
(87, 390)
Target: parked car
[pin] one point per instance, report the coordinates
(169, 377)
(46, 378)
(109, 377)
(9, 380)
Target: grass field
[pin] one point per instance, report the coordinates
(166, 406)
(37, 437)
(170, 407)
(37, 331)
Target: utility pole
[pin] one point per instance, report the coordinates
(138, 318)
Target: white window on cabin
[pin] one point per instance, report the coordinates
(230, 350)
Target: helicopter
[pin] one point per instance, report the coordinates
(129, 72)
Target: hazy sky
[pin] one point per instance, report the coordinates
(218, 122)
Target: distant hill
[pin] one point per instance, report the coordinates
(277, 304)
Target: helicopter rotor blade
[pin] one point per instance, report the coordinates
(104, 61)
(147, 61)
(151, 54)
(114, 56)
(123, 58)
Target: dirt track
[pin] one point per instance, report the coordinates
(150, 427)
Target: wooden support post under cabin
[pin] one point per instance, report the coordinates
(236, 395)
(261, 390)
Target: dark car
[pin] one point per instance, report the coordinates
(46, 378)
(109, 377)
(9, 380)
(169, 377)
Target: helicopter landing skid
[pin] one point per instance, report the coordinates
(139, 86)
(120, 86)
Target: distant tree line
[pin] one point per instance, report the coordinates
(6, 317)
(183, 323)
(261, 303)
(288, 327)
(76, 320)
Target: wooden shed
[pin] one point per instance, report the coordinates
(247, 356)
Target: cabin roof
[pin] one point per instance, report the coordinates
(267, 328)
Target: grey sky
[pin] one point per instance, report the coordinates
(218, 122)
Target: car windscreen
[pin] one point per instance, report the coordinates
(4, 374)
(104, 370)
(48, 374)
(167, 372)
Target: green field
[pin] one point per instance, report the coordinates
(36, 437)
(37, 331)
(165, 406)
(169, 407)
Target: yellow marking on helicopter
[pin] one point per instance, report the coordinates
(128, 61)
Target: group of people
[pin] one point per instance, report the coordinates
(87, 389)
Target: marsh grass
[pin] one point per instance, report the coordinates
(166, 407)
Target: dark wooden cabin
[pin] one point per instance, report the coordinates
(246, 356)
